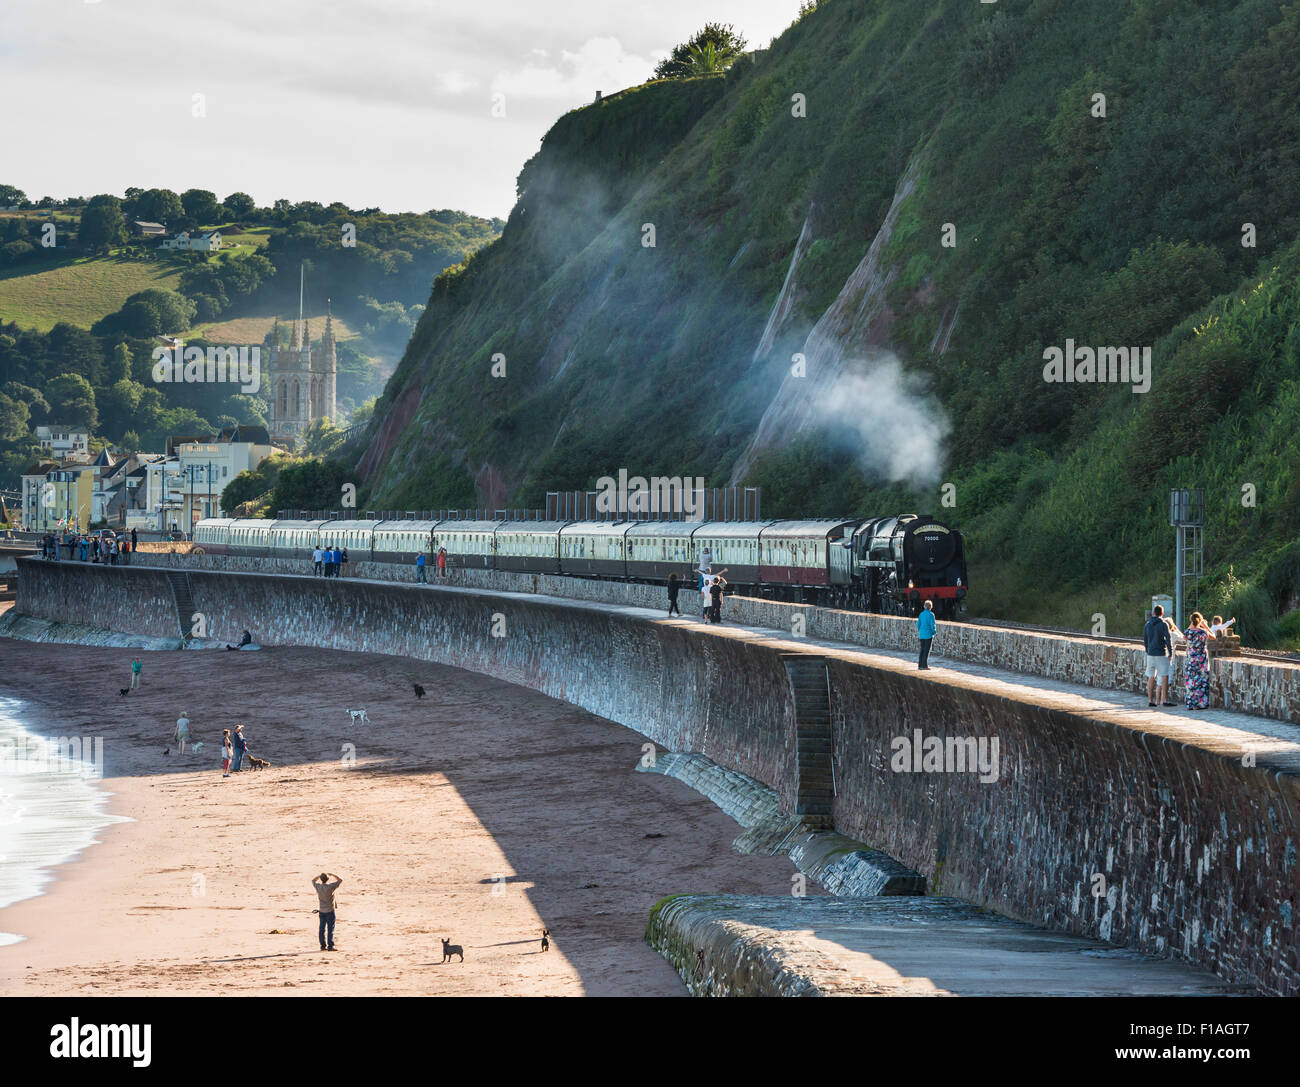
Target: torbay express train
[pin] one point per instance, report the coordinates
(883, 564)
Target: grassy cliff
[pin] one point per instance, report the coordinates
(1015, 176)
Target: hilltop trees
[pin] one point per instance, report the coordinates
(713, 49)
(102, 224)
(239, 205)
(201, 206)
(155, 206)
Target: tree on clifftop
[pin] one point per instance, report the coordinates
(714, 49)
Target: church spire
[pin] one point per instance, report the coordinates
(299, 328)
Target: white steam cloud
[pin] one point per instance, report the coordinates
(889, 418)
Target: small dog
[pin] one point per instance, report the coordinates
(449, 949)
(359, 717)
(194, 748)
(546, 939)
(258, 764)
(124, 691)
(419, 691)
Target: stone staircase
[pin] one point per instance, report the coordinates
(810, 686)
(179, 581)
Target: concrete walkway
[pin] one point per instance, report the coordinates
(1275, 745)
(817, 946)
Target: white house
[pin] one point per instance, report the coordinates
(61, 440)
(203, 243)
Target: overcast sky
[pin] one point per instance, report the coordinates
(383, 103)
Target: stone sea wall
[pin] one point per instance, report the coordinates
(1246, 685)
(1158, 838)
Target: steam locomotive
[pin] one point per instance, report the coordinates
(888, 565)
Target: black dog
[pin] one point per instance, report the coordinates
(124, 691)
(449, 949)
(419, 691)
(546, 939)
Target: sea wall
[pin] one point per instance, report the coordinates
(1267, 688)
(1160, 838)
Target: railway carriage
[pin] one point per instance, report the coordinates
(656, 549)
(733, 547)
(530, 547)
(804, 554)
(401, 541)
(356, 537)
(213, 535)
(595, 548)
(295, 539)
(471, 545)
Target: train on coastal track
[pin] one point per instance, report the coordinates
(888, 565)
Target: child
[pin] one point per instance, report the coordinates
(1218, 626)
(227, 752)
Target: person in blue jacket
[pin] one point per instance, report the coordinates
(925, 625)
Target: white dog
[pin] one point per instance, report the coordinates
(359, 717)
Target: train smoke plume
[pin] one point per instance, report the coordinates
(888, 418)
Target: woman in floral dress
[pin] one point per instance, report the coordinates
(1197, 672)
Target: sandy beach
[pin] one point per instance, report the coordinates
(482, 813)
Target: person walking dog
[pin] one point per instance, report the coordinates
(925, 624)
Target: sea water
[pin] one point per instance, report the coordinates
(51, 805)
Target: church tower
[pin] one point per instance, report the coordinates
(303, 382)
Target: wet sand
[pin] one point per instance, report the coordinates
(482, 813)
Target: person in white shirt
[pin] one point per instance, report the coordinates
(1219, 626)
(316, 559)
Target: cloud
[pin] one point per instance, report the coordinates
(599, 64)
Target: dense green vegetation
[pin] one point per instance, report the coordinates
(376, 266)
(1165, 214)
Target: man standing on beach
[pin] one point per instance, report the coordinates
(326, 884)
(135, 674)
(241, 745)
